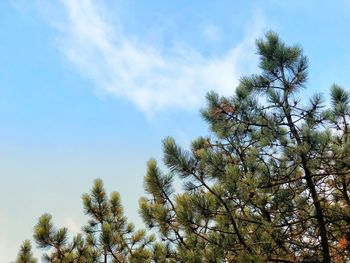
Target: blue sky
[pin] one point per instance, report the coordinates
(90, 88)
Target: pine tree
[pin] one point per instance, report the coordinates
(106, 238)
(269, 184)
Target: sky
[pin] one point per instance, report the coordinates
(90, 88)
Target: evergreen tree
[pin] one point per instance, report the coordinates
(106, 238)
(270, 183)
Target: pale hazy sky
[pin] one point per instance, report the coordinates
(89, 88)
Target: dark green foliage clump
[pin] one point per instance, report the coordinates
(25, 254)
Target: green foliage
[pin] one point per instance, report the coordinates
(270, 183)
(106, 238)
(25, 254)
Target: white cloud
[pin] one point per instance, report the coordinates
(154, 79)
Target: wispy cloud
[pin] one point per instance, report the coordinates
(153, 78)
